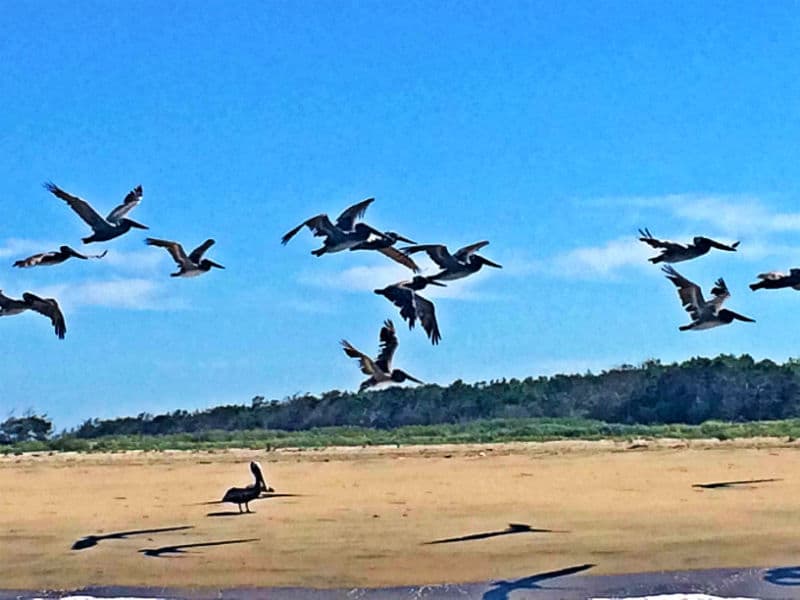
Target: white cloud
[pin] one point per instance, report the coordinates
(19, 248)
(131, 294)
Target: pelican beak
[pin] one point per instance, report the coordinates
(213, 264)
(137, 225)
(742, 318)
(719, 246)
(434, 282)
(405, 239)
(414, 379)
(489, 263)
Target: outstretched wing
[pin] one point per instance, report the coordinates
(49, 308)
(175, 250)
(347, 219)
(129, 203)
(720, 293)
(197, 254)
(34, 260)
(690, 294)
(405, 300)
(388, 346)
(648, 239)
(462, 254)
(426, 313)
(80, 206)
(773, 276)
(437, 252)
(321, 226)
(399, 257)
(367, 366)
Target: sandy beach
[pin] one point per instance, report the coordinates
(366, 516)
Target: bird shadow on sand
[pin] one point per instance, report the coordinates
(502, 589)
(167, 551)
(233, 513)
(783, 576)
(730, 484)
(512, 529)
(92, 540)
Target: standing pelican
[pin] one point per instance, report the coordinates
(114, 225)
(244, 495)
(454, 266)
(55, 258)
(672, 252)
(380, 370)
(340, 236)
(413, 306)
(704, 314)
(188, 266)
(44, 306)
(775, 280)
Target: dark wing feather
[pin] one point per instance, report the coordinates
(80, 206)
(462, 254)
(720, 293)
(388, 346)
(49, 308)
(367, 366)
(129, 203)
(437, 252)
(399, 257)
(175, 250)
(690, 293)
(34, 260)
(197, 254)
(347, 219)
(404, 299)
(321, 226)
(648, 239)
(426, 314)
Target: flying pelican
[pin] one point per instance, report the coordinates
(413, 306)
(114, 225)
(775, 280)
(338, 237)
(705, 314)
(55, 258)
(672, 252)
(457, 265)
(244, 495)
(380, 370)
(44, 306)
(188, 266)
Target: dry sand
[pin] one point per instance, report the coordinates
(362, 516)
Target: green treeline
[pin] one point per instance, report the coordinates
(725, 388)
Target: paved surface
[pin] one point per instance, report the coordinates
(574, 582)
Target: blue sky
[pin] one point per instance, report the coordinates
(552, 129)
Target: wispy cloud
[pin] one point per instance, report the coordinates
(21, 248)
(139, 261)
(131, 294)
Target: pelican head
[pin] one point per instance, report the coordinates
(704, 242)
(397, 237)
(128, 223)
(399, 376)
(727, 316)
(256, 470)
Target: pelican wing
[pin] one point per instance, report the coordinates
(399, 257)
(426, 313)
(321, 226)
(366, 363)
(720, 293)
(648, 239)
(405, 300)
(7, 303)
(34, 260)
(462, 254)
(388, 346)
(690, 294)
(437, 252)
(129, 203)
(49, 308)
(80, 206)
(347, 219)
(175, 250)
(197, 254)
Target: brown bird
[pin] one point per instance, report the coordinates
(380, 370)
(44, 306)
(56, 257)
(413, 306)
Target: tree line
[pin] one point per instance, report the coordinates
(725, 388)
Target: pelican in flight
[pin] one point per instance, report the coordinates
(413, 306)
(114, 225)
(463, 262)
(379, 370)
(705, 314)
(44, 306)
(244, 495)
(775, 280)
(188, 266)
(672, 252)
(55, 258)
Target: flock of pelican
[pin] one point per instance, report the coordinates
(104, 229)
(350, 233)
(706, 314)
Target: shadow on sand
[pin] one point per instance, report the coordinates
(92, 540)
(181, 548)
(510, 530)
(502, 589)
(727, 484)
(783, 576)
